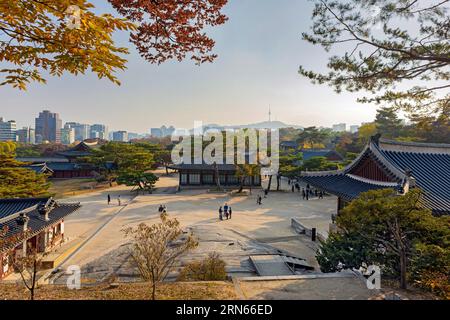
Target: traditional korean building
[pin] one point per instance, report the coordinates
(40, 219)
(390, 164)
(205, 175)
(67, 164)
(83, 149)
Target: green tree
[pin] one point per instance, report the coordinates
(289, 165)
(114, 159)
(387, 122)
(385, 229)
(17, 181)
(141, 181)
(365, 132)
(379, 52)
(311, 137)
(431, 128)
(319, 164)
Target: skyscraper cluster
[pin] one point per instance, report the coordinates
(49, 128)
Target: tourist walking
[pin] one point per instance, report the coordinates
(109, 199)
(293, 188)
(220, 214)
(320, 194)
(229, 212)
(225, 210)
(303, 194)
(161, 208)
(119, 201)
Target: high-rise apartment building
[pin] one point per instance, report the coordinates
(67, 135)
(7, 130)
(82, 131)
(99, 131)
(48, 127)
(341, 127)
(26, 135)
(120, 136)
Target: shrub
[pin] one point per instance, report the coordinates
(211, 268)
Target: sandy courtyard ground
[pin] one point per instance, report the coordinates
(253, 229)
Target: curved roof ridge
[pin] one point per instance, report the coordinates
(416, 147)
(374, 182)
(322, 173)
(391, 167)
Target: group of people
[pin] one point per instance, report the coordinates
(225, 212)
(309, 193)
(119, 200)
(162, 209)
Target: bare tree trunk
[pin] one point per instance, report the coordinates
(167, 171)
(278, 182)
(216, 171)
(270, 183)
(403, 262)
(33, 281)
(154, 291)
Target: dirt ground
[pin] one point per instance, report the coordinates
(64, 188)
(135, 291)
(99, 225)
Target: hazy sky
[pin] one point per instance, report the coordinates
(260, 49)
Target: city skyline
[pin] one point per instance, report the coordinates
(102, 131)
(256, 68)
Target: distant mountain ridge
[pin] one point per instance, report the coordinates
(258, 125)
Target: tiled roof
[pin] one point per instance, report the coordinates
(39, 160)
(11, 206)
(39, 168)
(69, 166)
(36, 222)
(73, 153)
(342, 185)
(289, 144)
(432, 175)
(427, 164)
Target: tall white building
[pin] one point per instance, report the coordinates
(82, 131)
(340, 127)
(26, 135)
(67, 135)
(8, 130)
(99, 131)
(120, 136)
(354, 129)
(162, 132)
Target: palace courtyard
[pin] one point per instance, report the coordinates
(97, 244)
